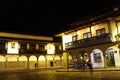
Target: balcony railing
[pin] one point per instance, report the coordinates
(3, 51)
(23, 51)
(97, 40)
(58, 51)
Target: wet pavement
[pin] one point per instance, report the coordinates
(53, 74)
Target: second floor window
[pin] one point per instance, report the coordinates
(58, 48)
(42, 47)
(87, 35)
(32, 46)
(100, 31)
(23, 46)
(74, 38)
(2, 46)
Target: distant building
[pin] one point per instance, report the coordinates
(29, 51)
(96, 38)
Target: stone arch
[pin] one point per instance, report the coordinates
(57, 61)
(113, 56)
(32, 61)
(2, 58)
(23, 62)
(2, 61)
(97, 58)
(49, 61)
(12, 61)
(41, 61)
(49, 57)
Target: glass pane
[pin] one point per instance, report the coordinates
(89, 35)
(103, 31)
(97, 58)
(84, 36)
(98, 32)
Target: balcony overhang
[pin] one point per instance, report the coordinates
(21, 36)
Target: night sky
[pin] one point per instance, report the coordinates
(47, 18)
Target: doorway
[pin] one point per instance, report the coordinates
(51, 63)
(110, 59)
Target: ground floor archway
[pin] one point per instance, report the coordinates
(23, 62)
(113, 56)
(30, 61)
(106, 55)
(41, 61)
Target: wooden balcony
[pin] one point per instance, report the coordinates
(97, 40)
(58, 51)
(23, 51)
(3, 51)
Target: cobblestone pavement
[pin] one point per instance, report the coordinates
(52, 74)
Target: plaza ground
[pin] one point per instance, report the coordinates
(60, 74)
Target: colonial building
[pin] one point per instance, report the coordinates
(29, 51)
(96, 38)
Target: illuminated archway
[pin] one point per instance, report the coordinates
(2, 58)
(2, 61)
(49, 61)
(41, 61)
(22, 62)
(32, 61)
(57, 61)
(113, 56)
(12, 61)
(97, 58)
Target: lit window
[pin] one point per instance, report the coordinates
(100, 31)
(74, 38)
(87, 35)
(97, 58)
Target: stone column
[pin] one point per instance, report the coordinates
(54, 61)
(28, 63)
(37, 63)
(6, 62)
(61, 61)
(46, 61)
(18, 62)
(105, 62)
(65, 60)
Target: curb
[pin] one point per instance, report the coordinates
(87, 70)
